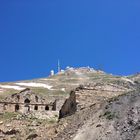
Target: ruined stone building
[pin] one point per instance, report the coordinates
(27, 102)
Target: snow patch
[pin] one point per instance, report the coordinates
(45, 79)
(63, 89)
(11, 87)
(35, 85)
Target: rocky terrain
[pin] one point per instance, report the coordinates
(108, 107)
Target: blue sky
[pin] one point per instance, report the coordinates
(35, 34)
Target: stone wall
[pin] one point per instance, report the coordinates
(26, 102)
(25, 108)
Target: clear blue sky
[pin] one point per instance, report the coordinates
(97, 33)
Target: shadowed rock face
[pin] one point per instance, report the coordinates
(116, 119)
(69, 107)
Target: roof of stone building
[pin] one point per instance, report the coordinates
(34, 98)
(27, 93)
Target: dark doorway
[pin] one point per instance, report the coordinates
(5, 106)
(46, 107)
(36, 107)
(54, 106)
(18, 97)
(27, 101)
(36, 98)
(16, 107)
(27, 107)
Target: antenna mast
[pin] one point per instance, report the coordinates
(59, 66)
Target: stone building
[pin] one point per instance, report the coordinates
(27, 102)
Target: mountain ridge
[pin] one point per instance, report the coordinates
(103, 101)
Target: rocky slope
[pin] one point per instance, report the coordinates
(108, 107)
